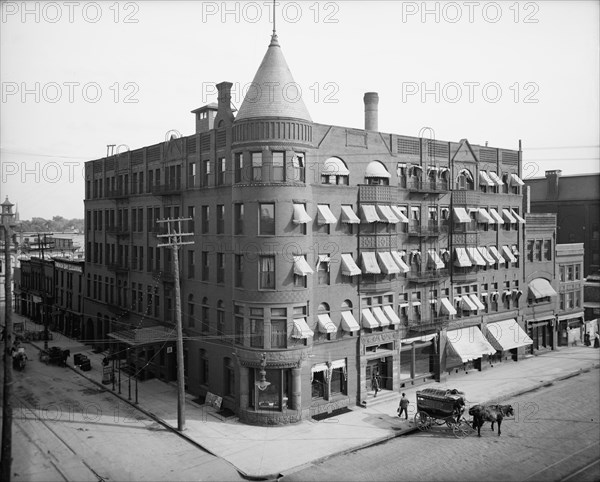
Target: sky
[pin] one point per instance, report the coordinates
(76, 76)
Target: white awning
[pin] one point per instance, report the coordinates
(447, 307)
(477, 301)
(391, 315)
(349, 267)
(461, 258)
(484, 179)
(325, 324)
(461, 215)
(301, 329)
(324, 258)
(387, 263)
(301, 266)
(369, 262)
(506, 335)
(496, 255)
(508, 254)
(484, 217)
(397, 210)
(519, 218)
(486, 255)
(377, 169)
(300, 214)
(319, 367)
(469, 343)
(541, 288)
(419, 339)
(349, 216)
(467, 304)
(475, 257)
(516, 180)
(467, 174)
(494, 177)
(397, 257)
(434, 259)
(496, 217)
(325, 215)
(380, 316)
(508, 217)
(368, 320)
(386, 214)
(334, 167)
(368, 213)
(515, 250)
(349, 323)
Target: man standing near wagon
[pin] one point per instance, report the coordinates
(403, 406)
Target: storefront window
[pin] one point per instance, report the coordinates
(318, 384)
(338, 381)
(423, 357)
(275, 395)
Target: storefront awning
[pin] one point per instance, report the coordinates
(369, 263)
(301, 329)
(380, 317)
(495, 216)
(397, 257)
(418, 339)
(475, 256)
(368, 213)
(349, 216)
(399, 214)
(386, 214)
(494, 177)
(541, 288)
(579, 316)
(349, 323)
(145, 336)
(461, 215)
(496, 255)
(461, 258)
(391, 315)
(508, 217)
(301, 266)
(516, 180)
(300, 215)
(434, 259)
(469, 343)
(325, 324)
(476, 301)
(486, 255)
(325, 215)
(484, 179)
(484, 217)
(387, 263)
(368, 320)
(446, 307)
(517, 217)
(349, 267)
(508, 254)
(506, 335)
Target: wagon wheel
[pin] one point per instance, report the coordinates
(422, 421)
(462, 428)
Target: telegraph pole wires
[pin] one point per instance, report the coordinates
(175, 238)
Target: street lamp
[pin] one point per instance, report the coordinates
(7, 412)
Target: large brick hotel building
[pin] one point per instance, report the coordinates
(323, 254)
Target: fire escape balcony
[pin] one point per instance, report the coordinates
(464, 275)
(118, 230)
(171, 189)
(415, 228)
(430, 323)
(427, 186)
(429, 276)
(119, 193)
(119, 267)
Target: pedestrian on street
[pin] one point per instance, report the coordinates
(403, 406)
(375, 382)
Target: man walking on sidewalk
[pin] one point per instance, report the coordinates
(403, 406)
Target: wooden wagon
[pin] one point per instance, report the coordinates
(442, 407)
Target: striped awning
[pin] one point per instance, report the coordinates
(484, 217)
(518, 218)
(541, 288)
(484, 179)
(461, 215)
(434, 259)
(349, 323)
(369, 262)
(301, 266)
(380, 316)
(325, 324)
(349, 216)
(386, 214)
(349, 267)
(397, 257)
(391, 314)
(477, 301)
(510, 257)
(475, 256)
(494, 177)
(461, 258)
(300, 215)
(325, 215)
(466, 303)
(516, 180)
(469, 343)
(301, 329)
(446, 307)
(397, 210)
(486, 255)
(368, 320)
(387, 263)
(496, 255)
(508, 217)
(496, 217)
(368, 213)
(506, 335)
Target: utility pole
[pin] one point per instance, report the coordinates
(7, 409)
(44, 307)
(175, 239)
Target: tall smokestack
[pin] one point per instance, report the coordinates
(371, 100)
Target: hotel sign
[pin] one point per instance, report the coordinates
(69, 267)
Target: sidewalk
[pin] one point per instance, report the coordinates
(265, 452)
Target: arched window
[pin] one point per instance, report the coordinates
(190, 311)
(205, 315)
(220, 317)
(465, 180)
(377, 174)
(323, 308)
(346, 305)
(335, 171)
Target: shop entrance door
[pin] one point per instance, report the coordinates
(380, 367)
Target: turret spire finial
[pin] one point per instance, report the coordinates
(274, 40)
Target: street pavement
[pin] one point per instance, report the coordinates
(266, 452)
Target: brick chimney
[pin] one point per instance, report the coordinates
(224, 112)
(552, 179)
(371, 100)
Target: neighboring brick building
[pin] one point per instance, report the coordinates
(576, 202)
(569, 260)
(68, 306)
(34, 289)
(323, 255)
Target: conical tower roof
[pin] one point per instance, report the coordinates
(273, 92)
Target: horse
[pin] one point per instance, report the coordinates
(489, 413)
